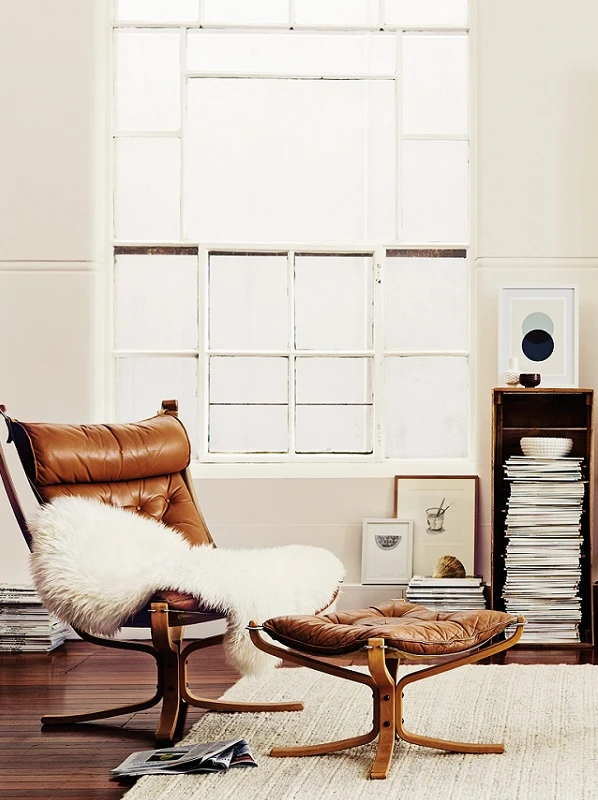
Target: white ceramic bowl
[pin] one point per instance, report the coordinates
(546, 446)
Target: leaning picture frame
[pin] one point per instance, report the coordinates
(538, 333)
(444, 513)
(387, 551)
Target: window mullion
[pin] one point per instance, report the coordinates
(292, 351)
(203, 405)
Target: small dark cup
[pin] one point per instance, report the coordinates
(530, 379)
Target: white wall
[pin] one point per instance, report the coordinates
(537, 172)
(52, 247)
(537, 108)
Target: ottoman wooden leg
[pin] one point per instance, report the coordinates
(446, 744)
(384, 707)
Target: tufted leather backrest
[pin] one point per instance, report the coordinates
(141, 466)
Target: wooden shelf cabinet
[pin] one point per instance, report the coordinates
(519, 412)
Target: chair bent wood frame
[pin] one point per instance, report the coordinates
(383, 660)
(168, 612)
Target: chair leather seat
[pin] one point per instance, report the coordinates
(189, 610)
(404, 626)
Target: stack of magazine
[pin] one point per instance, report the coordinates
(446, 594)
(25, 625)
(543, 567)
(186, 759)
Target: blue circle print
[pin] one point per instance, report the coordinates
(537, 345)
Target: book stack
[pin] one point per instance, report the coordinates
(25, 625)
(446, 594)
(543, 530)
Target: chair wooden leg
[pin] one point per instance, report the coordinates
(222, 705)
(106, 713)
(167, 642)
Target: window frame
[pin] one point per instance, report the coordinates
(262, 463)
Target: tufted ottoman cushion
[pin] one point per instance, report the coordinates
(407, 627)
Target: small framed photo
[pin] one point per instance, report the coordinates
(444, 513)
(387, 551)
(538, 332)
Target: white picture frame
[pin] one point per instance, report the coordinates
(387, 551)
(538, 328)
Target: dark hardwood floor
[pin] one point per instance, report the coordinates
(74, 763)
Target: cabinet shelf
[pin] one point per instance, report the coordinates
(521, 412)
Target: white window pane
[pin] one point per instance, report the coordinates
(435, 84)
(142, 383)
(362, 13)
(425, 12)
(248, 429)
(147, 192)
(248, 302)
(147, 80)
(306, 167)
(246, 12)
(333, 429)
(426, 304)
(156, 10)
(426, 407)
(333, 380)
(435, 191)
(237, 379)
(333, 302)
(155, 302)
(290, 53)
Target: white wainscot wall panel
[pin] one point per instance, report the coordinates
(47, 319)
(342, 540)
(315, 161)
(305, 501)
(52, 138)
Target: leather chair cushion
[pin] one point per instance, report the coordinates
(185, 610)
(165, 498)
(55, 453)
(404, 626)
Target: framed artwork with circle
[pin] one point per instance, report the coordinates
(387, 551)
(538, 330)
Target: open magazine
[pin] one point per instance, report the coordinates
(210, 757)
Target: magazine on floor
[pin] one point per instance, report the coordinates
(208, 757)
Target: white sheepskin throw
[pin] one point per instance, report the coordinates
(94, 565)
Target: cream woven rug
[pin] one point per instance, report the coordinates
(547, 717)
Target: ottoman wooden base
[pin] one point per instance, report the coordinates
(384, 654)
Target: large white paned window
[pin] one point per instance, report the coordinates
(291, 223)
